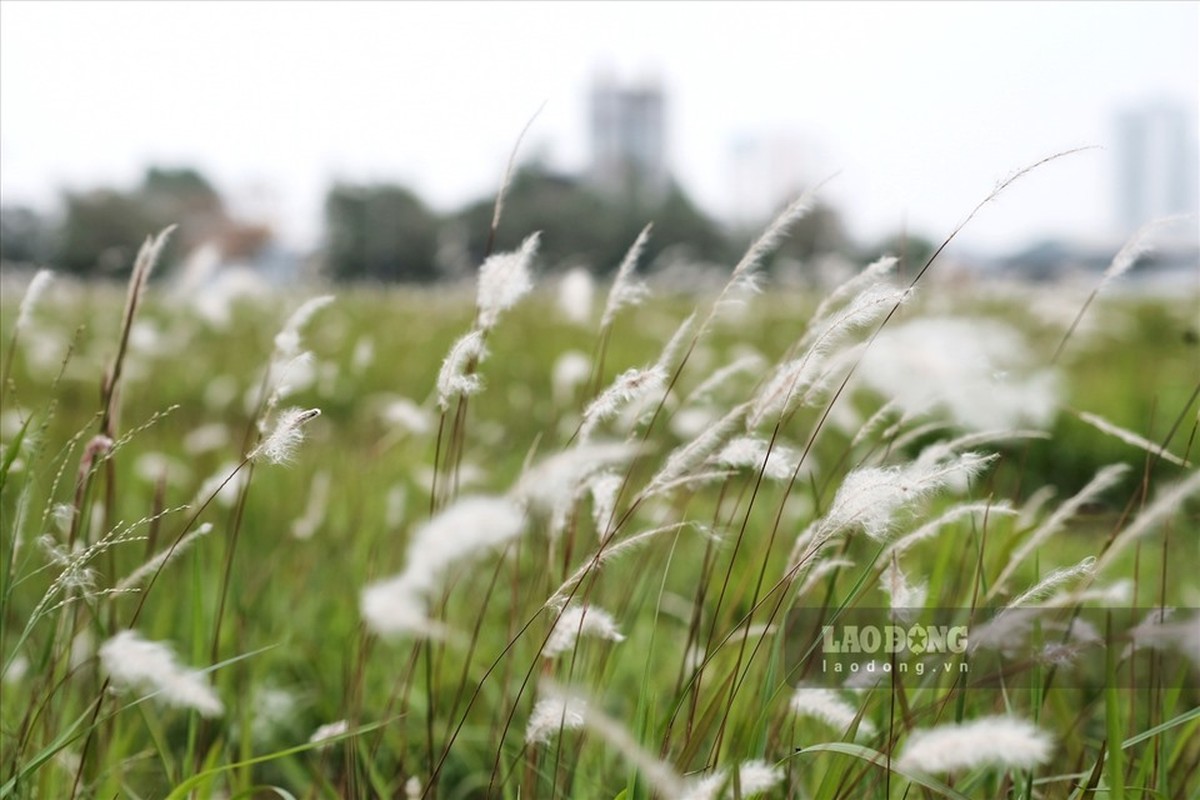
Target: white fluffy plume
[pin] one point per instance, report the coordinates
(554, 712)
(137, 663)
(456, 377)
(991, 741)
(625, 290)
(503, 280)
(576, 621)
(467, 529)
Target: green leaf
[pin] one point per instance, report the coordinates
(181, 791)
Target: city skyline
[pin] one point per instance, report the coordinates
(918, 109)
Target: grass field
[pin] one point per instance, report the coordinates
(565, 565)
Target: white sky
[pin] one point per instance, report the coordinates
(920, 107)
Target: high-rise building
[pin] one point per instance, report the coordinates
(1155, 164)
(628, 138)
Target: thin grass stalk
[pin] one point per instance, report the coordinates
(888, 317)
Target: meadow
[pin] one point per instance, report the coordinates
(550, 538)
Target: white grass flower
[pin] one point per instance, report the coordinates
(205, 438)
(771, 238)
(629, 387)
(829, 707)
(611, 551)
(901, 594)
(675, 346)
(287, 341)
(471, 525)
(469, 528)
(571, 370)
(314, 513)
(688, 456)
(1103, 480)
(454, 380)
(143, 265)
(625, 291)
(746, 363)
(394, 505)
(660, 775)
(872, 275)
(754, 778)
(869, 497)
(153, 466)
(576, 291)
(162, 558)
(794, 380)
(399, 605)
(749, 452)
(1131, 438)
(405, 415)
(936, 526)
(552, 486)
(37, 287)
(998, 741)
(1058, 577)
(329, 731)
(1031, 509)
(272, 710)
(980, 372)
(1161, 629)
(363, 356)
(279, 447)
(688, 423)
(1165, 504)
(137, 663)
(16, 670)
(552, 714)
(576, 621)
(1137, 246)
(503, 280)
(604, 489)
(223, 486)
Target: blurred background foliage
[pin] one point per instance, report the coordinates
(385, 232)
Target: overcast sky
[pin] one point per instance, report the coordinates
(920, 108)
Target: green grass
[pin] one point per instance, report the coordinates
(290, 619)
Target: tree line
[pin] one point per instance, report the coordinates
(385, 232)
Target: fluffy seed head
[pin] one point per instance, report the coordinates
(998, 741)
(754, 778)
(37, 288)
(575, 293)
(470, 527)
(575, 621)
(869, 497)
(829, 707)
(287, 341)
(751, 452)
(329, 731)
(630, 386)
(982, 372)
(134, 662)
(280, 445)
(454, 380)
(552, 485)
(553, 713)
(625, 291)
(503, 280)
